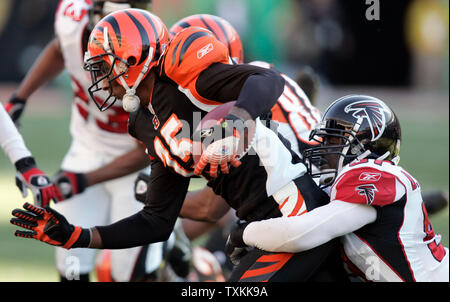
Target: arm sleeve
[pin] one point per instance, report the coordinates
(10, 139)
(165, 195)
(254, 89)
(304, 232)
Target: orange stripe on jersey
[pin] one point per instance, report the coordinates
(274, 262)
(284, 202)
(298, 205)
(297, 101)
(301, 101)
(277, 114)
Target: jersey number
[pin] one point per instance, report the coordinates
(437, 250)
(181, 148)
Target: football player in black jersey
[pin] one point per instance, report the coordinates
(165, 84)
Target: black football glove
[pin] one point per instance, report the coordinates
(30, 177)
(235, 248)
(69, 184)
(15, 107)
(140, 186)
(47, 225)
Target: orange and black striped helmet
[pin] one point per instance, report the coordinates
(220, 27)
(130, 42)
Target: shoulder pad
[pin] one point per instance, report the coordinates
(190, 52)
(364, 183)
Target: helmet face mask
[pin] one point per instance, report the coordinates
(353, 127)
(336, 148)
(101, 70)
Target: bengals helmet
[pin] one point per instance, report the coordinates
(353, 127)
(221, 28)
(123, 47)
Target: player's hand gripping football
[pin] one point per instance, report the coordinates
(224, 142)
(69, 184)
(30, 177)
(47, 225)
(15, 107)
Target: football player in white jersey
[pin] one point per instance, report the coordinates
(99, 138)
(375, 205)
(28, 175)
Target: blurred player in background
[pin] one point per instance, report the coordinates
(28, 174)
(99, 138)
(376, 206)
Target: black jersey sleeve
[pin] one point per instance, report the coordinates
(155, 222)
(254, 88)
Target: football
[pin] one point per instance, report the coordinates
(204, 130)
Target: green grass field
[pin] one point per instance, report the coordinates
(425, 155)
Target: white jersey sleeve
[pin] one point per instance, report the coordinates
(10, 139)
(299, 233)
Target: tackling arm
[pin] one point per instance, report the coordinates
(304, 232)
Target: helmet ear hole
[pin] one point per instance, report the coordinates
(131, 61)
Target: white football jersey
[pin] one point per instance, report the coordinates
(105, 133)
(401, 244)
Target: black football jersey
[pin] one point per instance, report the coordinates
(193, 78)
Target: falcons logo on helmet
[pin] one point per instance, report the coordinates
(367, 190)
(373, 112)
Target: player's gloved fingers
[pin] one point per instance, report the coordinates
(36, 210)
(23, 224)
(57, 217)
(224, 168)
(59, 196)
(200, 166)
(46, 195)
(54, 195)
(25, 234)
(235, 162)
(213, 167)
(24, 215)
